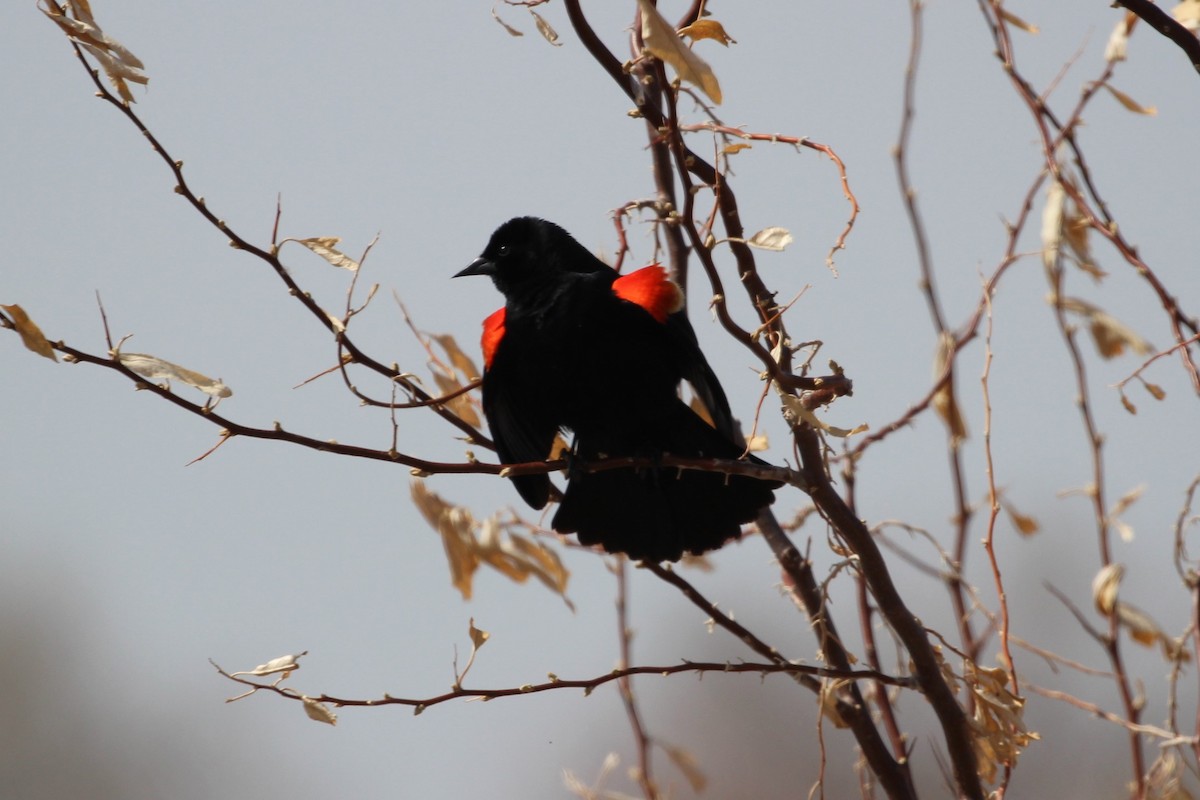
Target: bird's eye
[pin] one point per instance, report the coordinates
(503, 250)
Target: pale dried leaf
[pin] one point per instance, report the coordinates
(1130, 103)
(285, 664)
(1105, 587)
(157, 369)
(478, 637)
(548, 33)
(1118, 42)
(1052, 223)
(945, 400)
(686, 763)
(511, 30)
(1110, 334)
(458, 359)
(736, 147)
(771, 239)
(31, 335)
(794, 406)
(1126, 500)
(758, 443)
(1025, 525)
(454, 525)
(461, 405)
(707, 29)
(661, 41)
(326, 248)
(1187, 14)
(1129, 406)
(319, 711)
(998, 723)
(1141, 627)
(1014, 20)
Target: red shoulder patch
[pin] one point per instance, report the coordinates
(650, 288)
(493, 332)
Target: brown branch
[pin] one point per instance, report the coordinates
(555, 683)
(1167, 25)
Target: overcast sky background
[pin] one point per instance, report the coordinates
(122, 570)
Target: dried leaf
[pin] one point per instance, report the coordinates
(1129, 406)
(1105, 587)
(118, 63)
(453, 524)
(1187, 14)
(1025, 525)
(736, 147)
(793, 406)
(1110, 334)
(686, 763)
(458, 359)
(998, 724)
(945, 400)
(707, 29)
(326, 248)
(771, 239)
(661, 41)
(462, 405)
(1052, 223)
(157, 369)
(1118, 42)
(511, 30)
(478, 637)
(1141, 627)
(285, 664)
(470, 543)
(1128, 499)
(548, 33)
(1014, 20)
(1155, 390)
(319, 711)
(1130, 103)
(31, 335)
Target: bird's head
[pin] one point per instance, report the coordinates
(530, 252)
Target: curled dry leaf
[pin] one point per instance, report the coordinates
(31, 335)
(118, 63)
(326, 248)
(284, 664)
(511, 30)
(1105, 587)
(707, 29)
(686, 763)
(1131, 104)
(156, 369)
(1118, 41)
(945, 400)
(771, 239)
(462, 370)
(1187, 14)
(660, 40)
(478, 637)
(736, 147)
(1017, 22)
(1025, 525)
(470, 543)
(548, 33)
(794, 407)
(1110, 334)
(319, 711)
(998, 723)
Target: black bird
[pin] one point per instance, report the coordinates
(581, 348)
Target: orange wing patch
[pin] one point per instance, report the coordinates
(493, 332)
(650, 288)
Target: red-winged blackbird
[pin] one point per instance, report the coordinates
(581, 348)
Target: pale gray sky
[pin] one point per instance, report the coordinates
(122, 571)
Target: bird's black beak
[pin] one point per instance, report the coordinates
(480, 266)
